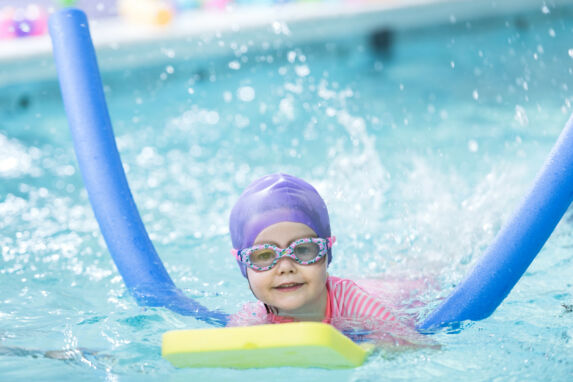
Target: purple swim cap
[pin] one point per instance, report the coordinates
(273, 199)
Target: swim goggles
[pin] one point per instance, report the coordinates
(306, 251)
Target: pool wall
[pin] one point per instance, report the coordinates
(203, 34)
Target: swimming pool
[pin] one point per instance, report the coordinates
(443, 131)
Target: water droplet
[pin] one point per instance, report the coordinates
(294, 88)
(571, 53)
(280, 28)
(302, 70)
(190, 91)
(473, 146)
(241, 121)
(452, 64)
(235, 65)
(246, 94)
(8, 164)
(169, 69)
(551, 32)
(24, 27)
(212, 118)
(545, 9)
(168, 52)
(475, 94)
(227, 96)
(521, 115)
(286, 108)
(291, 56)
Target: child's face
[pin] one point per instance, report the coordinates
(295, 290)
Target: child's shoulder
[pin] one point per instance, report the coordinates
(335, 283)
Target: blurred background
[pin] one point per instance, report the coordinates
(421, 122)
(29, 17)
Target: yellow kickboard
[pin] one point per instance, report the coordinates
(298, 344)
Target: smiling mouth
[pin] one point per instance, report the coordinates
(289, 286)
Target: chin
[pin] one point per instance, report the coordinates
(288, 308)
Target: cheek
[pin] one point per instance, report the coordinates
(257, 280)
(317, 272)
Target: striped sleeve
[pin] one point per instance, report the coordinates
(355, 302)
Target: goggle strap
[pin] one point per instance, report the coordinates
(235, 252)
(331, 240)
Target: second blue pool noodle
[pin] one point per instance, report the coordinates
(102, 171)
(517, 244)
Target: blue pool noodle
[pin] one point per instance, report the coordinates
(115, 210)
(517, 244)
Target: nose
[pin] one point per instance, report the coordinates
(285, 265)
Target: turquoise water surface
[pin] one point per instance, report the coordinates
(421, 148)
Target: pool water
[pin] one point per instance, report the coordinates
(421, 148)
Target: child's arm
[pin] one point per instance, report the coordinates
(393, 335)
(378, 323)
(252, 313)
(397, 335)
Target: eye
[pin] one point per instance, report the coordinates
(262, 257)
(306, 251)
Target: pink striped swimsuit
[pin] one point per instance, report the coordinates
(345, 300)
(348, 300)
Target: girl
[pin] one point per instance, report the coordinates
(283, 244)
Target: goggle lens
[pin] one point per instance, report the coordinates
(306, 251)
(262, 257)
